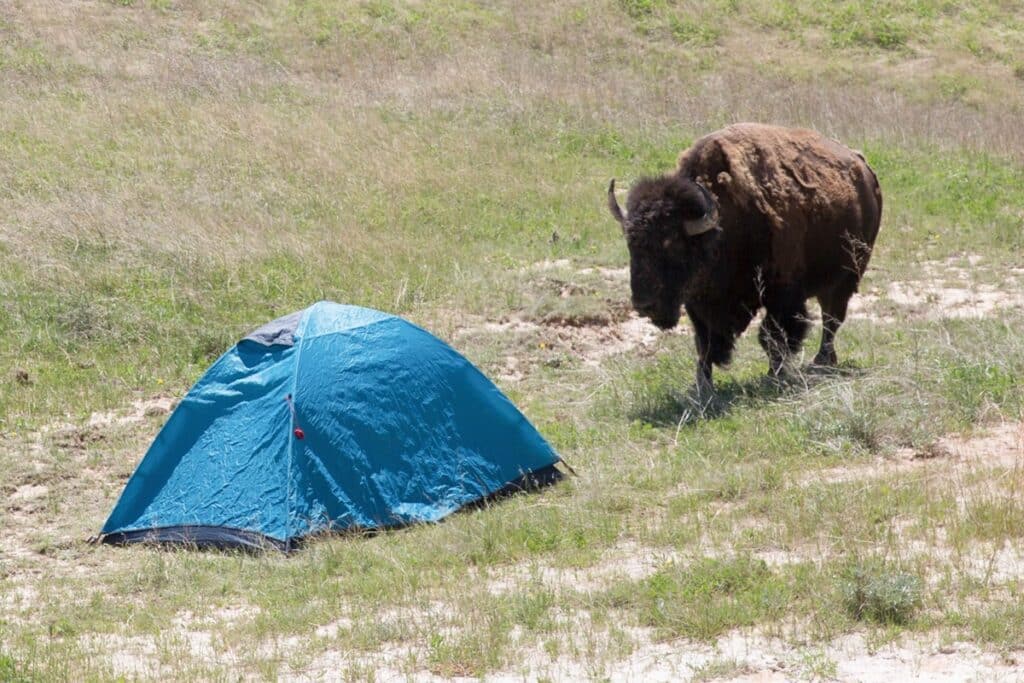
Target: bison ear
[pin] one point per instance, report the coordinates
(613, 206)
(707, 222)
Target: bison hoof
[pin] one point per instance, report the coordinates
(779, 368)
(825, 360)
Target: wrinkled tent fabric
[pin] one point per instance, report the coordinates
(332, 418)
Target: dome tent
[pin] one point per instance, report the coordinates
(334, 417)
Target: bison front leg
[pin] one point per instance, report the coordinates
(704, 387)
(702, 336)
(784, 327)
(713, 348)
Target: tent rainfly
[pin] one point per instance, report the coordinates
(334, 417)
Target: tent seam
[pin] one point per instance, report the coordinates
(292, 439)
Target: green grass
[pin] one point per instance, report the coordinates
(175, 175)
(707, 598)
(999, 625)
(948, 203)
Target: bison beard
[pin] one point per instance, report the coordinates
(754, 216)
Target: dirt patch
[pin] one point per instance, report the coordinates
(999, 446)
(991, 564)
(952, 288)
(576, 315)
(388, 663)
(131, 657)
(619, 276)
(137, 412)
(28, 493)
(980, 468)
(625, 561)
(45, 516)
(547, 265)
(932, 300)
(754, 657)
(554, 340)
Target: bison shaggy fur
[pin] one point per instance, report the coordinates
(754, 216)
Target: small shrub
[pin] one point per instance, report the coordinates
(381, 11)
(693, 33)
(953, 87)
(818, 666)
(874, 593)
(889, 35)
(721, 669)
(638, 9)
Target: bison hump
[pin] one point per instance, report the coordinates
(789, 175)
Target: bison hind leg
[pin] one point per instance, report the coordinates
(833, 313)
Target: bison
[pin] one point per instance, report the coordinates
(753, 216)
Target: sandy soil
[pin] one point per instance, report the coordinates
(953, 288)
(590, 336)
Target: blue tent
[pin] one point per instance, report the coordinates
(335, 417)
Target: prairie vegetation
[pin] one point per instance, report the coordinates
(175, 173)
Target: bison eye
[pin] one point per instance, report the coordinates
(643, 241)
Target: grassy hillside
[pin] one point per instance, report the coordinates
(175, 173)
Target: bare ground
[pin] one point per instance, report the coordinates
(574, 322)
(958, 287)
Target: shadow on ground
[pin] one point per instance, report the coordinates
(676, 407)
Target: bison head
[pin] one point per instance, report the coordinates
(670, 225)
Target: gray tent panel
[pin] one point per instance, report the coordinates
(278, 332)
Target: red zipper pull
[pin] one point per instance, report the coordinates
(299, 434)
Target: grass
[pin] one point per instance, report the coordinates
(175, 174)
(998, 625)
(707, 598)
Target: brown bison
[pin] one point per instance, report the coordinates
(754, 215)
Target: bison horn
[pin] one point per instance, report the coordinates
(613, 205)
(709, 221)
